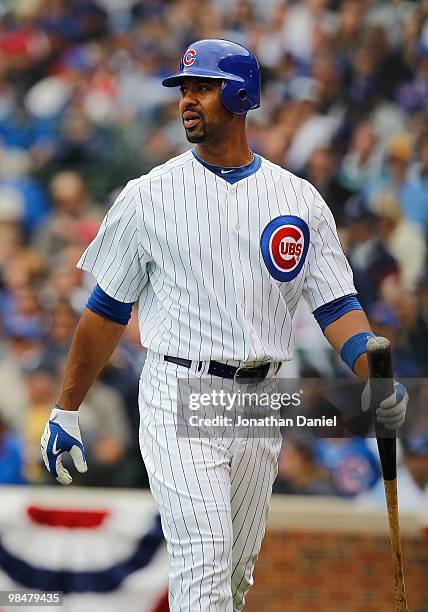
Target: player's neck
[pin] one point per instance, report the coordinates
(231, 154)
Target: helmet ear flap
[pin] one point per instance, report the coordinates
(235, 97)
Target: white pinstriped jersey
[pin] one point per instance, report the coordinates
(210, 262)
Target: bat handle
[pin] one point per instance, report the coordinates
(388, 457)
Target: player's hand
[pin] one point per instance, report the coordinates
(391, 412)
(62, 434)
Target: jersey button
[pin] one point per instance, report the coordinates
(237, 227)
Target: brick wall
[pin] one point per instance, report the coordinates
(320, 570)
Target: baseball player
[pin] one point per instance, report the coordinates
(217, 246)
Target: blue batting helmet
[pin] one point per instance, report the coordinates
(223, 59)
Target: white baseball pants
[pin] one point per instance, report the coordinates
(212, 493)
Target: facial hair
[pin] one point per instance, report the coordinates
(197, 135)
(215, 134)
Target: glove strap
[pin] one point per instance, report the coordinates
(65, 418)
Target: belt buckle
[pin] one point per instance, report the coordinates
(239, 378)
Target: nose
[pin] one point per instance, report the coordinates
(189, 98)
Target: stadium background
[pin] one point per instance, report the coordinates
(345, 105)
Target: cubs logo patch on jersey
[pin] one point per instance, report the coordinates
(284, 245)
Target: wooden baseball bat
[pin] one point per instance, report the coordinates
(381, 385)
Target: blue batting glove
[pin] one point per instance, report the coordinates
(391, 412)
(62, 434)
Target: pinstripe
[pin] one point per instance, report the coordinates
(239, 323)
(221, 558)
(212, 262)
(296, 199)
(195, 516)
(328, 263)
(255, 487)
(206, 509)
(293, 301)
(192, 504)
(183, 160)
(85, 254)
(222, 271)
(201, 260)
(317, 265)
(260, 527)
(112, 276)
(186, 292)
(271, 283)
(262, 271)
(279, 293)
(198, 355)
(162, 277)
(105, 223)
(178, 497)
(167, 490)
(238, 317)
(292, 288)
(315, 279)
(249, 257)
(143, 301)
(336, 240)
(124, 278)
(172, 266)
(240, 259)
(238, 474)
(114, 242)
(323, 243)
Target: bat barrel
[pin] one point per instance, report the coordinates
(394, 531)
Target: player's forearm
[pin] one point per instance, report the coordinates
(338, 332)
(93, 344)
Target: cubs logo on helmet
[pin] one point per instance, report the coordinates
(189, 57)
(284, 245)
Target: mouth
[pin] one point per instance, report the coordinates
(191, 119)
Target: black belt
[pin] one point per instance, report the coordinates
(239, 374)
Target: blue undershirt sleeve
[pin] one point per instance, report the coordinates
(109, 308)
(328, 313)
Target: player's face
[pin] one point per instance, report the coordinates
(205, 119)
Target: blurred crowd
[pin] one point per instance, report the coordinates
(82, 110)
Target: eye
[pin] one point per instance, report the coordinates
(183, 90)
